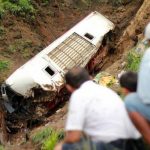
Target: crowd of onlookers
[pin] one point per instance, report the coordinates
(98, 119)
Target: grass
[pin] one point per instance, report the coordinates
(47, 138)
(22, 46)
(1, 147)
(45, 2)
(3, 65)
(133, 60)
(17, 7)
(50, 142)
(41, 135)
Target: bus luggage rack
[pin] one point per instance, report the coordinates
(74, 51)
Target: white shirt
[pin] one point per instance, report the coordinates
(100, 113)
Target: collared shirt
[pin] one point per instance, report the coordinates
(100, 113)
(143, 89)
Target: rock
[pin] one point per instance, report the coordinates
(123, 64)
(59, 110)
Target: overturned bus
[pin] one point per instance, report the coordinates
(41, 78)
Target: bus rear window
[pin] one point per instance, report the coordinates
(89, 36)
(49, 71)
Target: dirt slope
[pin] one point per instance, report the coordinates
(136, 27)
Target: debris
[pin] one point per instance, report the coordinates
(105, 79)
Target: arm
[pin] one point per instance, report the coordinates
(141, 124)
(75, 121)
(73, 136)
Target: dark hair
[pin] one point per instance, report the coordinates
(128, 80)
(77, 76)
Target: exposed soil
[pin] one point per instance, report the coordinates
(51, 22)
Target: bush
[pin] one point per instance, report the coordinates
(47, 138)
(50, 142)
(41, 135)
(2, 11)
(133, 60)
(3, 65)
(17, 7)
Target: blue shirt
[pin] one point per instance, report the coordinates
(143, 88)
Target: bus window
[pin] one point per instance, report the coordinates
(49, 71)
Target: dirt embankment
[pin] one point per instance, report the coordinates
(131, 35)
(134, 30)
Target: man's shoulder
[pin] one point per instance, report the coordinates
(91, 89)
(132, 95)
(77, 95)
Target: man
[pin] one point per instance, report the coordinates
(138, 103)
(128, 82)
(97, 112)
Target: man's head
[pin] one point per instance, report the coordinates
(75, 78)
(147, 32)
(128, 82)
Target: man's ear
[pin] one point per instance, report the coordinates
(125, 91)
(70, 88)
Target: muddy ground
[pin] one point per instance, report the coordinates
(52, 21)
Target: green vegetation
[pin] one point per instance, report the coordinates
(45, 2)
(2, 31)
(114, 2)
(118, 2)
(1, 147)
(16, 7)
(22, 46)
(133, 60)
(41, 135)
(4, 65)
(1, 9)
(47, 138)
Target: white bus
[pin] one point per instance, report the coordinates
(45, 71)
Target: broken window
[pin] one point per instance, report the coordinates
(89, 36)
(49, 71)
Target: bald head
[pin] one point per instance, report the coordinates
(76, 76)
